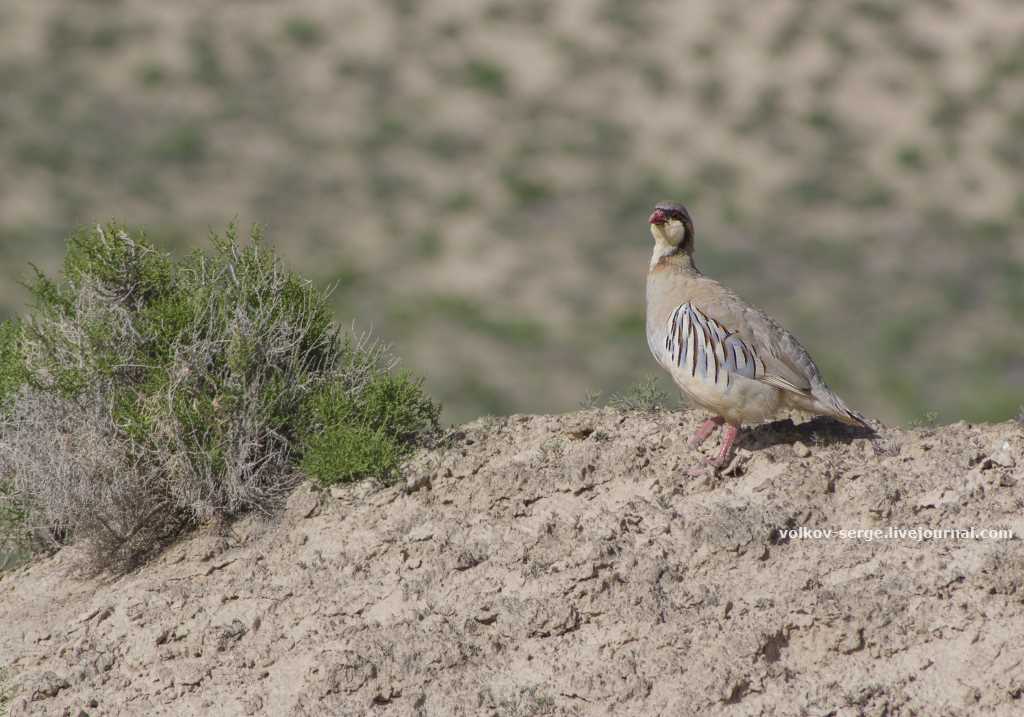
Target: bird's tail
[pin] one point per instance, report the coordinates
(830, 404)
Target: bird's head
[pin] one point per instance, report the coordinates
(671, 225)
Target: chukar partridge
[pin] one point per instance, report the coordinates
(725, 355)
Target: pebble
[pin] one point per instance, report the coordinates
(801, 450)
(1003, 457)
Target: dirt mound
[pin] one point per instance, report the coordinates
(568, 565)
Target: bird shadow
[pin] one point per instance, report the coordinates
(821, 431)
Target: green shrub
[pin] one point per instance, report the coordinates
(12, 377)
(356, 433)
(342, 453)
(158, 394)
(12, 369)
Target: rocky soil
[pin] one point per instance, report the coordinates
(566, 565)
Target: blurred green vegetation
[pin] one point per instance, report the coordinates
(474, 181)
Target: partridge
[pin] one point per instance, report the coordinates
(725, 355)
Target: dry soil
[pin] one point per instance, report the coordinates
(566, 565)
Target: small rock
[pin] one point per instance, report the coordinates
(346, 672)
(416, 482)
(554, 620)
(972, 695)
(851, 641)
(420, 534)
(225, 635)
(252, 704)
(801, 450)
(917, 453)
(486, 617)
(48, 685)
(1003, 457)
(192, 674)
(105, 662)
(936, 499)
(305, 502)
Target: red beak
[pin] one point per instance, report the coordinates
(657, 217)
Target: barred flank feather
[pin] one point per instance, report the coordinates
(701, 345)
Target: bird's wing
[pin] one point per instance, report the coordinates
(724, 335)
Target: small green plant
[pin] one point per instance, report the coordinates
(185, 145)
(146, 395)
(591, 399)
(644, 396)
(486, 76)
(929, 420)
(552, 449)
(304, 32)
(428, 244)
(912, 158)
(152, 74)
(207, 67)
(527, 190)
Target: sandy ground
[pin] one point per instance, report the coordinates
(567, 565)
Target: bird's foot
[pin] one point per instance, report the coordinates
(736, 464)
(705, 430)
(712, 468)
(725, 456)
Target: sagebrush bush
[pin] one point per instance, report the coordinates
(146, 395)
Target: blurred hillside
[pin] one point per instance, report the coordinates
(476, 177)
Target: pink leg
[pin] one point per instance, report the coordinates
(728, 438)
(705, 430)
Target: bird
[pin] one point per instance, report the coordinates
(725, 355)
